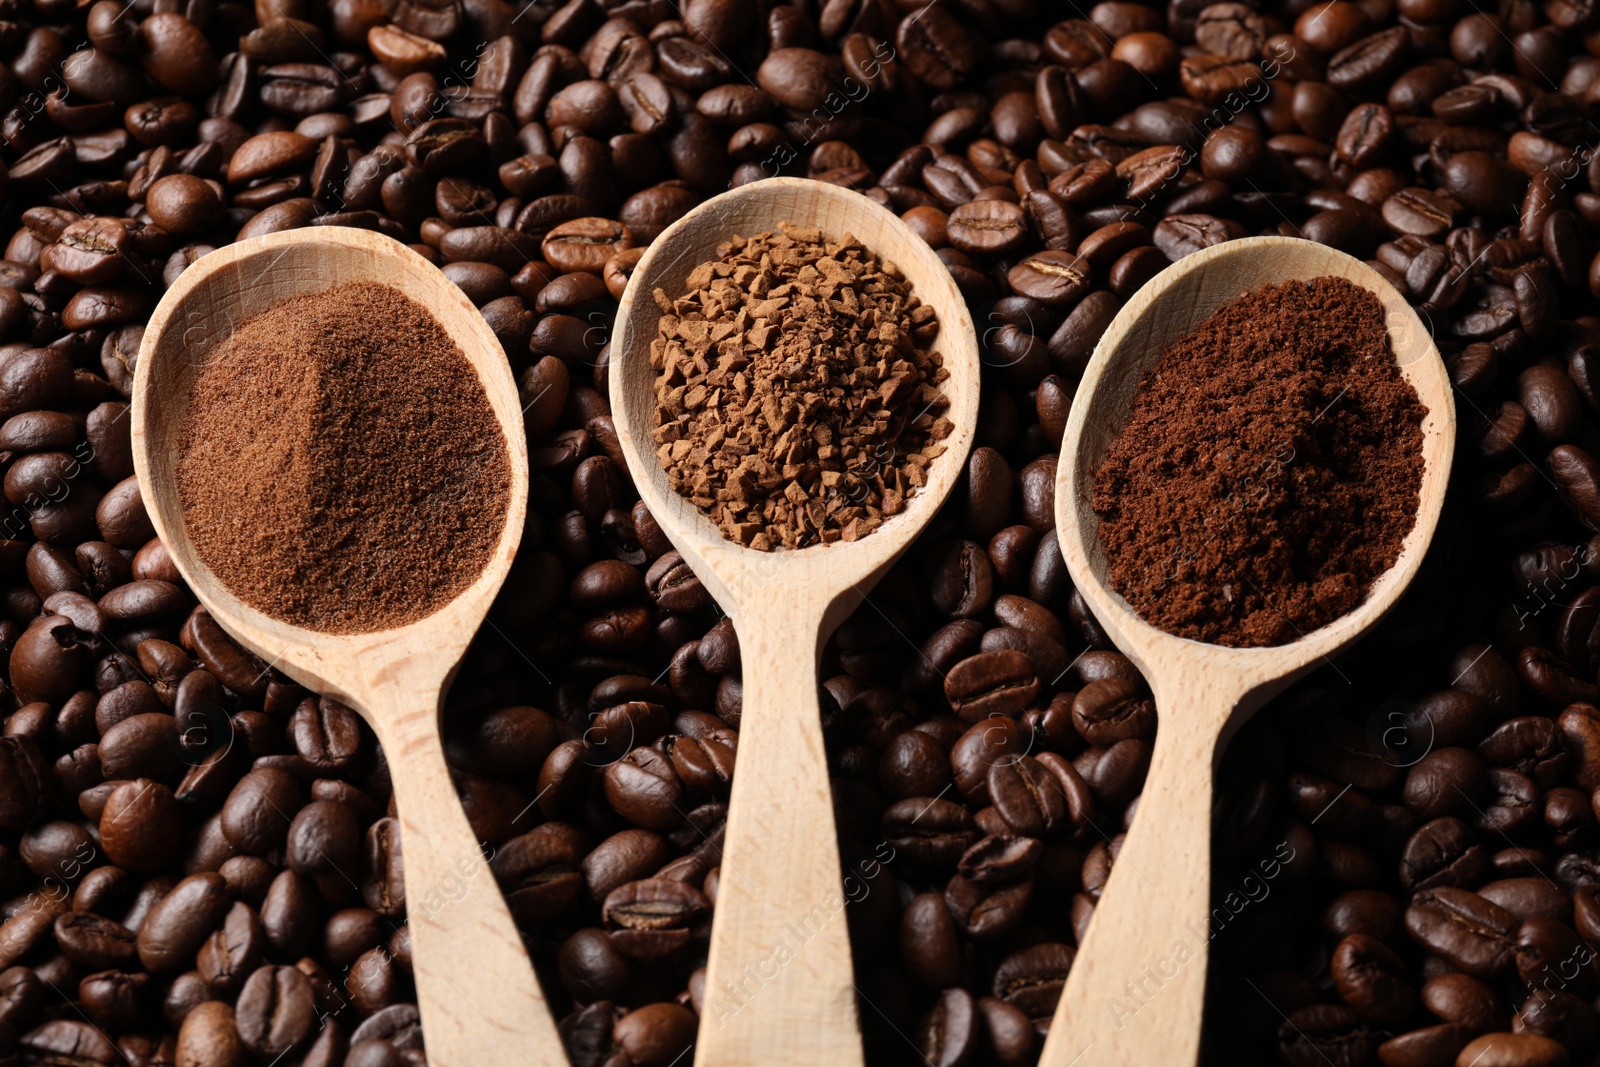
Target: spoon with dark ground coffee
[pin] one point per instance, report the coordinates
(329, 442)
(1269, 459)
(797, 402)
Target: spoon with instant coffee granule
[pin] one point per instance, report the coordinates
(1136, 989)
(481, 1003)
(779, 987)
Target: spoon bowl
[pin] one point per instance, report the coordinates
(480, 1001)
(1135, 991)
(779, 985)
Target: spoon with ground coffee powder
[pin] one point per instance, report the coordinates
(328, 439)
(1256, 459)
(791, 366)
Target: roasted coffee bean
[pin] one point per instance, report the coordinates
(949, 1032)
(644, 788)
(1362, 911)
(1371, 979)
(326, 734)
(383, 888)
(1465, 1002)
(987, 227)
(324, 839)
(179, 923)
(585, 244)
(991, 684)
(231, 954)
(1179, 235)
(656, 1033)
(23, 785)
(70, 1041)
(963, 580)
(1028, 798)
(986, 911)
(1580, 726)
(276, 1013)
(538, 873)
(1447, 781)
(1464, 928)
(1112, 710)
(652, 917)
(1032, 978)
(141, 826)
(1443, 852)
(929, 831)
(1532, 1050)
(209, 1035)
(1312, 1034)
(143, 746)
(674, 586)
(1055, 279)
(999, 858)
(591, 968)
(94, 942)
(183, 203)
(258, 811)
(913, 764)
(1211, 78)
(799, 78)
(938, 49)
(928, 942)
(1417, 211)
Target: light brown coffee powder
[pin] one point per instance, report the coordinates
(342, 468)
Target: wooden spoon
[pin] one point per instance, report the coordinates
(1135, 992)
(480, 1001)
(779, 986)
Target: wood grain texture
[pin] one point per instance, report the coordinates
(1136, 989)
(481, 1004)
(779, 987)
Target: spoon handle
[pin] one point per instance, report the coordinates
(779, 990)
(481, 1004)
(1136, 991)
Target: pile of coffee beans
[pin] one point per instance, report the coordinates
(198, 862)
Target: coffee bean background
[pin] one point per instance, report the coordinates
(198, 859)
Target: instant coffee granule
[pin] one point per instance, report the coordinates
(796, 400)
(341, 467)
(1269, 471)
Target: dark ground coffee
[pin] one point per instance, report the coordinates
(796, 400)
(1269, 470)
(341, 466)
